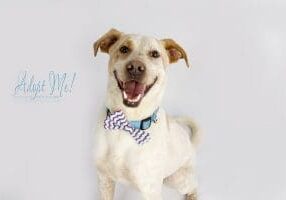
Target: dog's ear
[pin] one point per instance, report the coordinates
(175, 51)
(106, 41)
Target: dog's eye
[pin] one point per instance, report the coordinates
(154, 54)
(124, 49)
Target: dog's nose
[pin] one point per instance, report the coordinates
(135, 68)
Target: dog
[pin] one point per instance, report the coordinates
(136, 142)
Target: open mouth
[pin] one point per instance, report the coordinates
(132, 90)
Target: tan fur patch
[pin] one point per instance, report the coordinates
(193, 196)
(128, 43)
(175, 51)
(106, 41)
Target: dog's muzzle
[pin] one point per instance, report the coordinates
(133, 90)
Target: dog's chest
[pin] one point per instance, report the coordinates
(116, 161)
(120, 157)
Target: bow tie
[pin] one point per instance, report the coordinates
(118, 121)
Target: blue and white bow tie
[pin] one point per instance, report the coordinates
(118, 121)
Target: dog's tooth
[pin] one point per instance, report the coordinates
(138, 97)
(124, 95)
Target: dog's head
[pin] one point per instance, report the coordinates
(137, 65)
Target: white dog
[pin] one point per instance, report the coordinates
(136, 142)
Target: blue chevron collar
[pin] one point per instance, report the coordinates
(144, 123)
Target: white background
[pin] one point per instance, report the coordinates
(235, 89)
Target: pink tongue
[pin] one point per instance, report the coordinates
(133, 89)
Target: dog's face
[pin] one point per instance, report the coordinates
(137, 63)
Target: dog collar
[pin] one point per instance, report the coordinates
(141, 124)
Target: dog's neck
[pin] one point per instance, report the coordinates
(145, 109)
(137, 113)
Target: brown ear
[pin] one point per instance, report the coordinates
(175, 51)
(106, 41)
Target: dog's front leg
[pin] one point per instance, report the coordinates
(106, 187)
(151, 190)
(151, 196)
(152, 193)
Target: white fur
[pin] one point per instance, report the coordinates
(169, 157)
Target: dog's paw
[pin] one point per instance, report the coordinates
(192, 196)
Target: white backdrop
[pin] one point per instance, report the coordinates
(236, 90)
